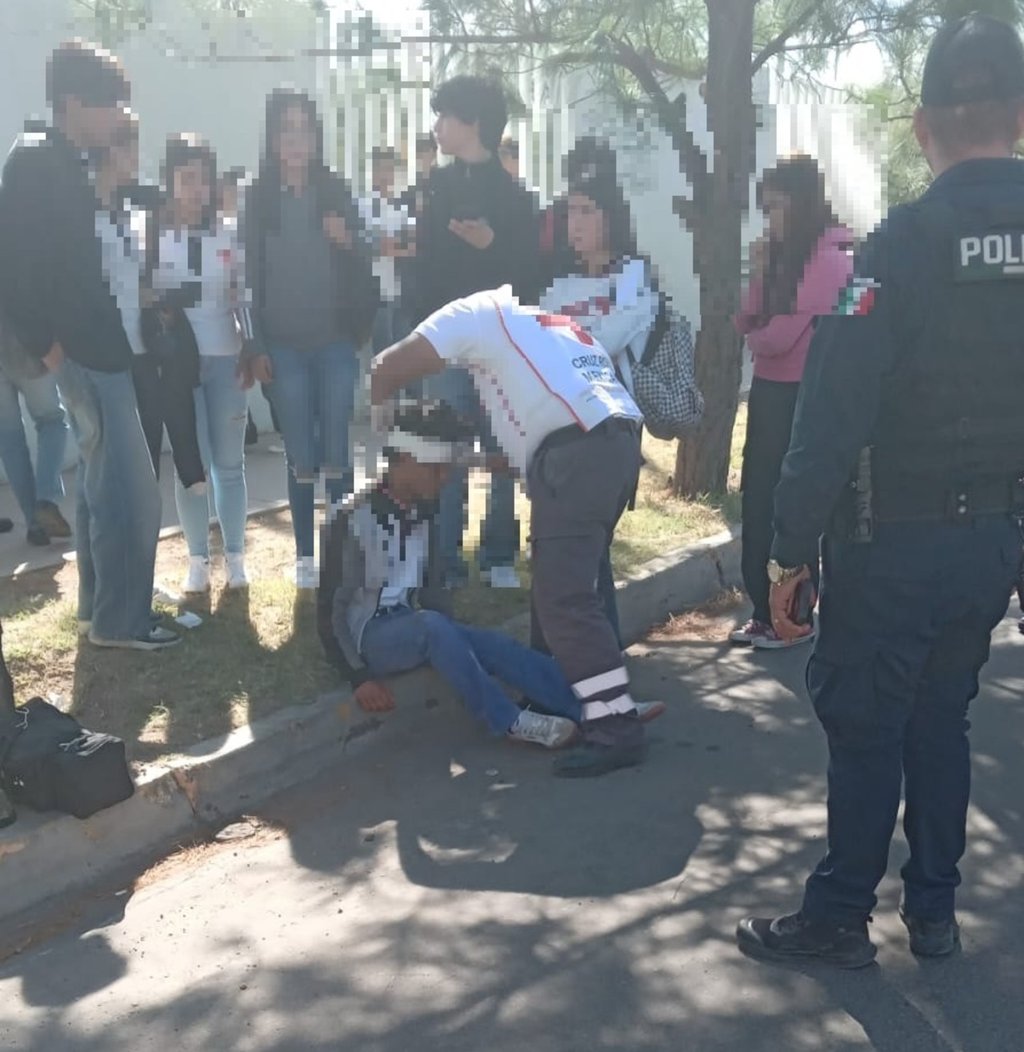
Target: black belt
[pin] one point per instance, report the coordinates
(918, 503)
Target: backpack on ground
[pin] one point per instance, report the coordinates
(50, 762)
(664, 379)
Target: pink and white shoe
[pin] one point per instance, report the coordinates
(749, 633)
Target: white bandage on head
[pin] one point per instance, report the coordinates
(425, 450)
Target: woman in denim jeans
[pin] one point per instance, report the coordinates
(37, 489)
(314, 298)
(200, 269)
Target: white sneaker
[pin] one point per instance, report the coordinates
(198, 578)
(234, 565)
(305, 577)
(535, 729)
(504, 577)
(650, 710)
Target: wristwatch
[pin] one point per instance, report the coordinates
(781, 574)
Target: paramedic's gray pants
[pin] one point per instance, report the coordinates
(579, 484)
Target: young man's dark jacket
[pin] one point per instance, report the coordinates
(52, 285)
(346, 599)
(358, 291)
(447, 267)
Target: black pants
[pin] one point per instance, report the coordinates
(166, 397)
(579, 489)
(769, 423)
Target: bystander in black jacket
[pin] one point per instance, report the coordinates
(52, 286)
(449, 268)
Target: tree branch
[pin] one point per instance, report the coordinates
(779, 42)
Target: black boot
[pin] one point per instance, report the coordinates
(792, 938)
(606, 745)
(932, 938)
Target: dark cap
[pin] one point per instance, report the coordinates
(973, 59)
(596, 178)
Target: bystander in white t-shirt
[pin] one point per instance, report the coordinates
(534, 372)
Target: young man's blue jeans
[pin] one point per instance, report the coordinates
(499, 535)
(221, 409)
(313, 393)
(117, 503)
(472, 660)
(42, 400)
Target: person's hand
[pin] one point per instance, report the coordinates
(782, 601)
(54, 358)
(382, 417)
(255, 369)
(497, 464)
(758, 257)
(372, 696)
(475, 232)
(337, 230)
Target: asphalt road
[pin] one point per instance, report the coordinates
(450, 895)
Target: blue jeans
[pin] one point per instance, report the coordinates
(42, 401)
(313, 393)
(472, 660)
(499, 537)
(117, 503)
(221, 411)
(905, 627)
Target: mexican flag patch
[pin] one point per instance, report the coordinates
(857, 299)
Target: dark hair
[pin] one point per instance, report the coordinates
(425, 143)
(184, 149)
(434, 419)
(808, 215)
(474, 100)
(976, 124)
(86, 72)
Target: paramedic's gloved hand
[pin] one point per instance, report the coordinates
(382, 417)
(374, 697)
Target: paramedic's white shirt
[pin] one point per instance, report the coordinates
(534, 372)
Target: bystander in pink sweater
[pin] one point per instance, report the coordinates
(780, 346)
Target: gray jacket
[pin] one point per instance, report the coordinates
(352, 580)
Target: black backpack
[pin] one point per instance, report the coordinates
(50, 762)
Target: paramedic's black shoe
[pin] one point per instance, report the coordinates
(932, 938)
(605, 745)
(6, 525)
(792, 938)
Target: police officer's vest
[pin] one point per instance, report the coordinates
(949, 442)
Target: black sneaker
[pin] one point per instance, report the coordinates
(6, 525)
(48, 516)
(792, 938)
(37, 536)
(932, 938)
(606, 745)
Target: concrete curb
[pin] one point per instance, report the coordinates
(199, 790)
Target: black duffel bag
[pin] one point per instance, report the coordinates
(50, 762)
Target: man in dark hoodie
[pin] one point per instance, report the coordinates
(59, 303)
(478, 230)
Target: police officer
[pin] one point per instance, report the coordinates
(568, 427)
(907, 451)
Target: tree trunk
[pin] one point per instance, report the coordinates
(720, 202)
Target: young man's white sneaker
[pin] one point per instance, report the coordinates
(552, 732)
(198, 578)
(155, 639)
(234, 566)
(503, 577)
(772, 641)
(650, 710)
(305, 576)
